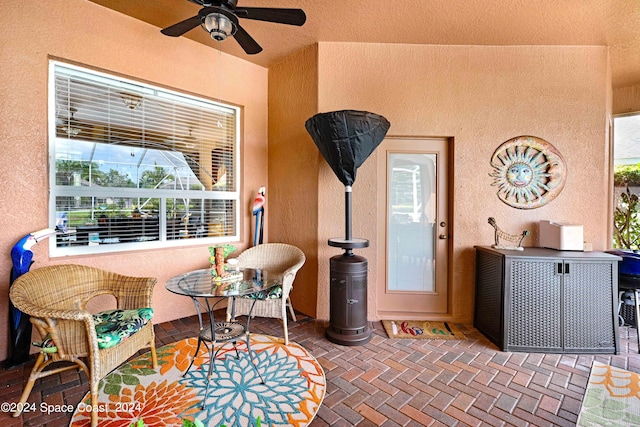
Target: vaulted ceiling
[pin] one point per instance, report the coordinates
(612, 23)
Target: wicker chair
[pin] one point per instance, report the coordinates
(273, 257)
(55, 297)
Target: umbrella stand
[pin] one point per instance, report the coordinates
(348, 323)
(345, 139)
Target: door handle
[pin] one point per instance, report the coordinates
(443, 236)
(562, 268)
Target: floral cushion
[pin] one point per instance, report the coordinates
(112, 326)
(273, 293)
(46, 345)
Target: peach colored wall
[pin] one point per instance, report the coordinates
(626, 100)
(293, 167)
(481, 96)
(89, 34)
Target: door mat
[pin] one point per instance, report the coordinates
(422, 330)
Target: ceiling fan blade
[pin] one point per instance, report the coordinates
(250, 46)
(176, 30)
(279, 16)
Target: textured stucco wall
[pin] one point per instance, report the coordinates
(480, 96)
(293, 167)
(89, 34)
(626, 100)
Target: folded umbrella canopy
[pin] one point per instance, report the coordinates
(346, 139)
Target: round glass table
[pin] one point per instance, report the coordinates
(207, 291)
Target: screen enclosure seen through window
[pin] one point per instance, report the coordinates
(134, 166)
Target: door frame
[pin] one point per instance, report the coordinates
(382, 247)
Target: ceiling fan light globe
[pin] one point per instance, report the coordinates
(218, 35)
(218, 26)
(71, 130)
(70, 126)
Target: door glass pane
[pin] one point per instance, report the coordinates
(411, 214)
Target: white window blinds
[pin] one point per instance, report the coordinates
(136, 166)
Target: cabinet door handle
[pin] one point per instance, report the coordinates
(562, 268)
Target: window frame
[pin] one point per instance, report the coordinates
(621, 202)
(56, 191)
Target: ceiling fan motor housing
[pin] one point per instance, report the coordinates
(207, 3)
(219, 26)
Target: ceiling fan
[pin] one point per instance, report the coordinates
(70, 126)
(220, 19)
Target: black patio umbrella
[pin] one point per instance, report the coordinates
(346, 139)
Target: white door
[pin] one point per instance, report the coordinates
(413, 173)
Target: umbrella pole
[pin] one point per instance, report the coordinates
(347, 219)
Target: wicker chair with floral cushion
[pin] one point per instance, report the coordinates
(275, 258)
(56, 297)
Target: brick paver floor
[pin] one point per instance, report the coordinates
(392, 382)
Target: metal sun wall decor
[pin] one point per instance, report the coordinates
(529, 172)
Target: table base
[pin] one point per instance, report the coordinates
(224, 333)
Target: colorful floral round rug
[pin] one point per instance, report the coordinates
(612, 398)
(294, 387)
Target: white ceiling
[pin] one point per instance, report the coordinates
(613, 23)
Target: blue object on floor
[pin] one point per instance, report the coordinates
(19, 324)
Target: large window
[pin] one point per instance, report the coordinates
(135, 166)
